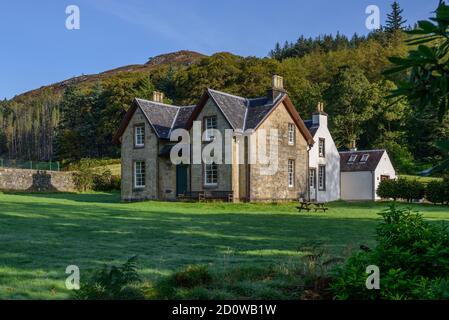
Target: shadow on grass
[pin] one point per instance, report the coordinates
(47, 232)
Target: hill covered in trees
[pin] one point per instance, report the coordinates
(77, 118)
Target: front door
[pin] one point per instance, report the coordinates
(312, 184)
(181, 179)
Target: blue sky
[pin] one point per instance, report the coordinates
(38, 50)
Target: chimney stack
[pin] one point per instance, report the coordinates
(158, 96)
(353, 146)
(319, 117)
(277, 87)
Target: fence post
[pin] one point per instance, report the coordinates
(31, 165)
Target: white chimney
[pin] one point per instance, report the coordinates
(319, 117)
(158, 96)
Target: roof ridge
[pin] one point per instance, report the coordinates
(371, 150)
(158, 103)
(173, 122)
(228, 94)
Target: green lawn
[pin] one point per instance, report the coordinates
(40, 234)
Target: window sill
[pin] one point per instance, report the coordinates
(139, 189)
(210, 186)
(139, 147)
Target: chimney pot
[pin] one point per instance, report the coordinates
(353, 146)
(277, 82)
(158, 96)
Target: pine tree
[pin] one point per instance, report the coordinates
(395, 21)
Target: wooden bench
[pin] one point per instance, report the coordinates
(320, 206)
(207, 195)
(312, 206)
(304, 206)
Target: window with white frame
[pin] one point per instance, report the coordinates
(291, 173)
(139, 136)
(210, 123)
(322, 148)
(210, 174)
(291, 134)
(322, 178)
(312, 179)
(139, 174)
(364, 158)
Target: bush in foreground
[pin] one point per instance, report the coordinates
(412, 255)
(112, 282)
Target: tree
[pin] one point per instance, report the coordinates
(428, 85)
(395, 21)
(349, 105)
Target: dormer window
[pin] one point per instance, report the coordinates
(352, 158)
(364, 158)
(210, 123)
(139, 136)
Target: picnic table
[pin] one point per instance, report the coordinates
(305, 205)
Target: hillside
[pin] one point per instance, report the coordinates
(77, 118)
(181, 58)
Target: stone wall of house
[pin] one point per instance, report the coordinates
(224, 170)
(275, 187)
(35, 180)
(167, 179)
(130, 154)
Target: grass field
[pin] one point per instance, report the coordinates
(40, 234)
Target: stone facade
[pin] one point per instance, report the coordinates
(275, 187)
(224, 170)
(246, 181)
(35, 180)
(131, 154)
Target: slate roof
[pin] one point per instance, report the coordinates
(163, 117)
(370, 165)
(309, 124)
(243, 113)
(233, 107)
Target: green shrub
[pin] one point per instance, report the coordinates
(401, 189)
(116, 182)
(84, 178)
(193, 276)
(102, 180)
(436, 192)
(412, 256)
(112, 282)
(387, 189)
(410, 189)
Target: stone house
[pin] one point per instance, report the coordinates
(149, 173)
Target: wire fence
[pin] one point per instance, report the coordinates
(33, 165)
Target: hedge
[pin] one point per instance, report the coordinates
(401, 189)
(436, 192)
